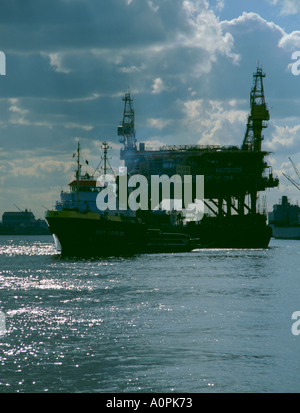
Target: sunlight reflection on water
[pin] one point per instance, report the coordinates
(211, 320)
(25, 247)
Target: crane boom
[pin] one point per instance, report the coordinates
(295, 168)
(18, 207)
(291, 180)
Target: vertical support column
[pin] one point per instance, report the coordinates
(241, 203)
(228, 202)
(220, 207)
(253, 202)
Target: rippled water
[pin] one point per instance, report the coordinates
(206, 321)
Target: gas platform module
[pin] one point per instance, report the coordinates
(233, 178)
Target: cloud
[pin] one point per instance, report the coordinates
(212, 118)
(220, 5)
(252, 22)
(284, 139)
(258, 40)
(289, 6)
(158, 123)
(153, 7)
(158, 86)
(290, 41)
(15, 108)
(56, 63)
(70, 62)
(206, 31)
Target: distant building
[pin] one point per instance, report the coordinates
(285, 220)
(23, 217)
(285, 214)
(22, 223)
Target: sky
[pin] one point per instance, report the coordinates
(188, 65)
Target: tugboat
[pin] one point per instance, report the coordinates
(79, 228)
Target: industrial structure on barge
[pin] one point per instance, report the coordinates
(233, 176)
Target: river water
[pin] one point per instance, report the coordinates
(209, 321)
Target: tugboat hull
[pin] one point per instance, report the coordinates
(90, 234)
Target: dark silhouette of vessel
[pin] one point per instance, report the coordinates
(232, 178)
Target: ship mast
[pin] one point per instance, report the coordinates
(105, 148)
(259, 114)
(78, 172)
(104, 158)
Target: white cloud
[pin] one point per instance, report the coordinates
(253, 22)
(290, 41)
(207, 31)
(38, 167)
(158, 86)
(284, 138)
(190, 72)
(131, 69)
(290, 6)
(23, 117)
(152, 6)
(158, 123)
(74, 125)
(211, 119)
(220, 5)
(56, 63)
(287, 7)
(18, 116)
(15, 108)
(92, 97)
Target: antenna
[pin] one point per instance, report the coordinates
(104, 159)
(105, 148)
(78, 172)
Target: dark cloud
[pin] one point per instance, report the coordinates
(70, 62)
(41, 25)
